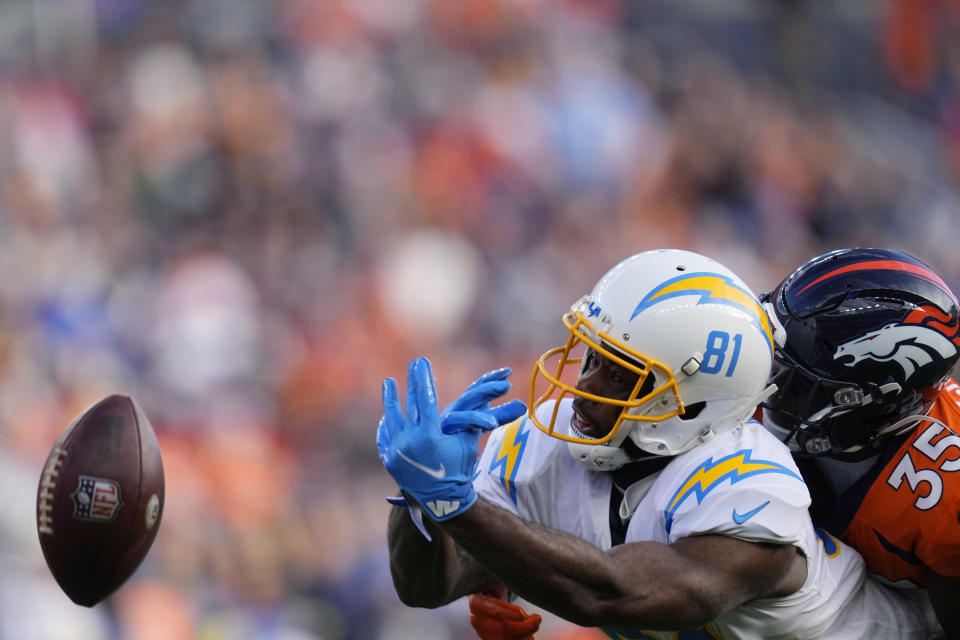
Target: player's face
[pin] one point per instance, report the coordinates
(602, 377)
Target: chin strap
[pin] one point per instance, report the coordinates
(905, 424)
(902, 426)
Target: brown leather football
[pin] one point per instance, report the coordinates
(100, 499)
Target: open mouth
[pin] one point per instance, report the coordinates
(583, 428)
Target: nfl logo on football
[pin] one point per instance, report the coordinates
(96, 499)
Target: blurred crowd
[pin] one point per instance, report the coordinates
(246, 214)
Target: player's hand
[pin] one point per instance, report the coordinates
(472, 409)
(434, 464)
(495, 619)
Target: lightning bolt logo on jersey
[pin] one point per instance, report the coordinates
(710, 474)
(506, 462)
(712, 288)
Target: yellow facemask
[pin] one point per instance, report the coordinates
(661, 403)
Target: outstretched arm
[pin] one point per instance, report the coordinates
(436, 473)
(640, 584)
(431, 573)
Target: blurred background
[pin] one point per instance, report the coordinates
(247, 213)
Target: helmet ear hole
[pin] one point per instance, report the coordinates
(692, 411)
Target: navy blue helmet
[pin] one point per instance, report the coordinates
(865, 338)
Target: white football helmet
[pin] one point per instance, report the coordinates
(682, 318)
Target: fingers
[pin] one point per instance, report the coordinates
(487, 606)
(480, 396)
(392, 420)
(383, 440)
(413, 413)
(496, 374)
(487, 628)
(469, 400)
(522, 628)
(493, 629)
(509, 411)
(457, 421)
(483, 419)
(426, 392)
(469, 411)
(495, 619)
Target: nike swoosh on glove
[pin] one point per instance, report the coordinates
(430, 456)
(494, 619)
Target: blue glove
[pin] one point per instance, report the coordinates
(431, 456)
(472, 409)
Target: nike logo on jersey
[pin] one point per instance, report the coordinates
(740, 518)
(439, 474)
(735, 467)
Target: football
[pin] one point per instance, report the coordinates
(100, 499)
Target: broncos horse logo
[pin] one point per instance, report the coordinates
(911, 346)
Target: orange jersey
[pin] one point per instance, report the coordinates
(904, 514)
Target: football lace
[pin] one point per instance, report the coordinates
(47, 485)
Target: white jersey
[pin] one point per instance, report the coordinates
(743, 484)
